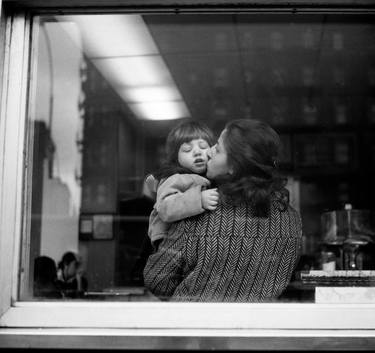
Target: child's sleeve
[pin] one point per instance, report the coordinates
(180, 196)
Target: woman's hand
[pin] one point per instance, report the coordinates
(210, 199)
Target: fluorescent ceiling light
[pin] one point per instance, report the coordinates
(123, 50)
(160, 110)
(135, 71)
(151, 94)
(114, 35)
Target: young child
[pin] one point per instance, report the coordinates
(179, 187)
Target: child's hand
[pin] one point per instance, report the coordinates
(210, 199)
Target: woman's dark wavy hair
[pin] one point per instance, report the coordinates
(183, 132)
(253, 149)
(67, 258)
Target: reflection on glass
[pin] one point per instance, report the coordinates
(123, 50)
(108, 89)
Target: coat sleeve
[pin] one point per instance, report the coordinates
(179, 197)
(163, 271)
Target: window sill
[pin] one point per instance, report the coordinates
(211, 316)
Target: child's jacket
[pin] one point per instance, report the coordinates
(177, 197)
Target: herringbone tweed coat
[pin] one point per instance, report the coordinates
(227, 256)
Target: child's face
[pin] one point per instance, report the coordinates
(193, 155)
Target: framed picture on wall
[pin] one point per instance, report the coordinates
(96, 227)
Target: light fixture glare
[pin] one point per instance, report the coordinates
(160, 110)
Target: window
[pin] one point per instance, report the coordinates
(92, 137)
(109, 87)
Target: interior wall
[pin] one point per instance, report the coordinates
(59, 230)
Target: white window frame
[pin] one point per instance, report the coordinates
(146, 325)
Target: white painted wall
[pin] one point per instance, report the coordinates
(61, 192)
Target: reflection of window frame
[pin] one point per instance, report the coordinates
(142, 324)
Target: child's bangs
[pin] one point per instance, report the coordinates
(194, 134)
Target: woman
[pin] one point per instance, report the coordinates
(69, 276)
(246, 249)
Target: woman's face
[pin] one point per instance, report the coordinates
(217, 165)
(70, 270)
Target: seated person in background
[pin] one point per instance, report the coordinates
(69, 276)
(45, 278)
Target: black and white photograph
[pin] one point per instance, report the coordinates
(187, 175)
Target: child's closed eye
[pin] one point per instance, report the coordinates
(186, 148)
(203, 144)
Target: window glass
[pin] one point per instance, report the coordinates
(107, 89)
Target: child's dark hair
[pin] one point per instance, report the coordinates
(253, 149)
(181, 133)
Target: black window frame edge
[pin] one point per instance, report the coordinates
(181, 6)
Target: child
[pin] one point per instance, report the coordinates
(179, 187)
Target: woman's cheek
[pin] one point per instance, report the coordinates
(210, 169)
